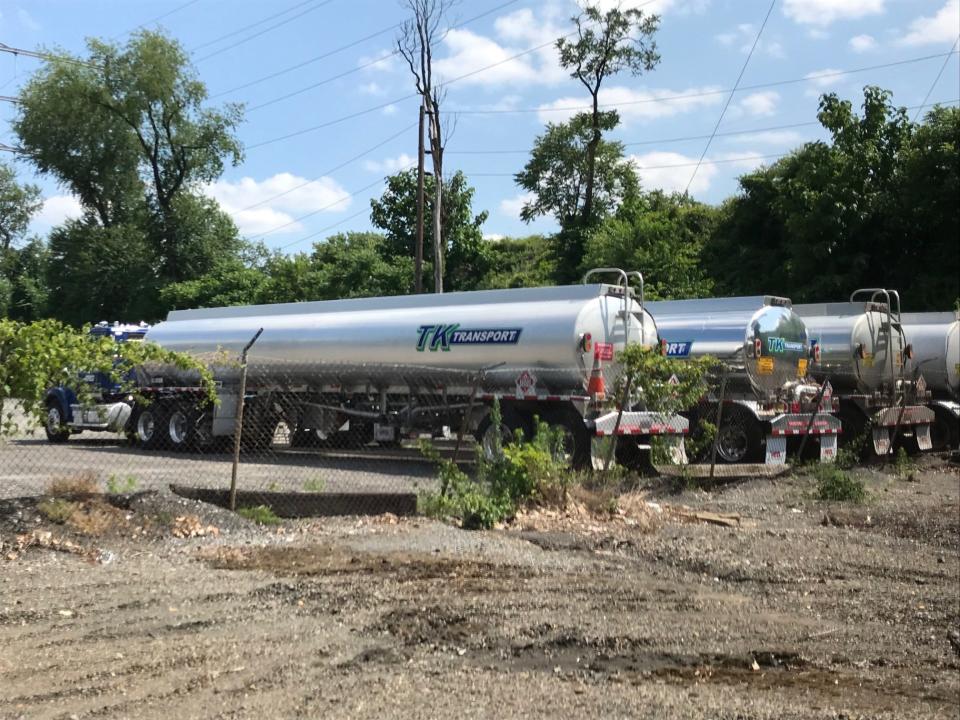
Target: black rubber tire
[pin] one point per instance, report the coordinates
(511, 420)
(577, 439)
(148, 425)
(741, 439)
(56, 429)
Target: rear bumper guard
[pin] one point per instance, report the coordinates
(827, 427)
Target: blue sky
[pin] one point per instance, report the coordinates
(806, 48)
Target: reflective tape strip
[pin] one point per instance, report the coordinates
(544, 397)
(637, 430)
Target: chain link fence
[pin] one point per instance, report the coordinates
(350, 439)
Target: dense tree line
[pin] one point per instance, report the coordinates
(128, 132)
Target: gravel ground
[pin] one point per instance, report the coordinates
(802, 609)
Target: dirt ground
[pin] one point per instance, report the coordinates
(794, 608)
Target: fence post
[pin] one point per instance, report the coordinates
(616, 426)
(716, 437)
(813, 416)
(238, 424)
(466, 418)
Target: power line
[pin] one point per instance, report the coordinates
(321, 231)
(669, 98)
(723, 112)
(157, 18)
(702, 93)
(686, 138)
(327, 172)
(370, 63)
(943, 67)
(44, 56)
(739, 158)
(308, 61)
(261, 21)
(264, 31)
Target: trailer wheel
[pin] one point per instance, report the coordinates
(511, 420)
(148, 425)
(739, 438)
(576, 440)
(55, 427)
(181, 427)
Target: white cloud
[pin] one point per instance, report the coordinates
(821, 80)
(863, 43)
(826, 12)
(299, 197)
(635, 105)
(941, 28)
(670, 172)
(56, 210)
(390, 165)
(27, 20)
(761, 103)
(511, 207)
(768, 137)
(493, 237)
(371, 88)
(744, 36)
(651, 7)
(382, 61)
(390, 109)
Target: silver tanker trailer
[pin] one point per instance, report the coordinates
(860, 347)
(935, 337)
(767, 398)
(382, 369)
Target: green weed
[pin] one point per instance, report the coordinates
(837, 485)
(260, 514)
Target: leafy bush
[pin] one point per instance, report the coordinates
(522, 471)
(116, 486)
(57, 510)
(260, 514)
(835, 484)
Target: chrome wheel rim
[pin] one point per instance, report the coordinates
(732, 444)
(146, 425)
(54, 421)
(177, 427)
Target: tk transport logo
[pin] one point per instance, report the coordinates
(441, 337)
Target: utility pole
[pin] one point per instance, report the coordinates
(436, 153)
(418, 253)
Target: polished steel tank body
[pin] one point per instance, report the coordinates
(421, 337)
(727, 328)
(859, 351)
(935, 337)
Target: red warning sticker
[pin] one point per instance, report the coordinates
(603, 351)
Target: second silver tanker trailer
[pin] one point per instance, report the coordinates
(935, 337)
(381, 369)
(860, 347)
(767, 398)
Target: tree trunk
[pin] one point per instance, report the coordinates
(591, 163)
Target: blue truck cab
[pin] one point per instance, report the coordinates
(110, 411)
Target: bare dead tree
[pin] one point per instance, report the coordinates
(416, 43)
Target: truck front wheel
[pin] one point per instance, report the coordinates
(55, 426)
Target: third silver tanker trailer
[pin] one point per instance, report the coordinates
(767, 398)
(935, 337)
(861, 349)
(381, 369)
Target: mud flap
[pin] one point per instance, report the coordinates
(922, 433)
(828, 448)
(881, 441)
(776, 450)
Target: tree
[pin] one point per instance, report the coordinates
(662, 236)
(556, 177)
(606, 44)
(520, 262)
(36, 356)
(18, 203)
(416, 45)
(127, 131)
(23, 281)
(873, 207)
(395, 213)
